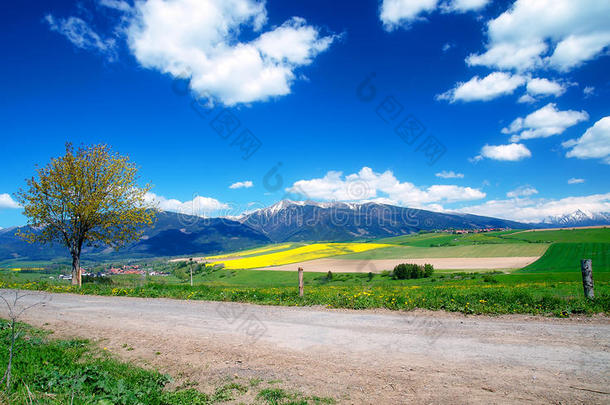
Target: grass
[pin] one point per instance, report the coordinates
(414, 252)
(565, 257)
(591, 235)
(558, 294)
(48, 371)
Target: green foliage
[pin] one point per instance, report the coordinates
(89, 197)
(407, 271)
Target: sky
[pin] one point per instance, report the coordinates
(496, 108)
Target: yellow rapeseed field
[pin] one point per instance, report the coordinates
(299, 254)
(252, 251)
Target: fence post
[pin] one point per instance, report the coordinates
(587, 277)
(300, 282)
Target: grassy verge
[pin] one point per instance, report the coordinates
(558, 294)
(47, 371)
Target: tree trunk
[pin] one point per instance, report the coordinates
(76, 276)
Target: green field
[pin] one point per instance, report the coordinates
(565, 257)
(592, 235)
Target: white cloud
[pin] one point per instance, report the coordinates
(561, 34)
(575, 180)
(241, 184)
(545, 122)
(523, 191)
(588, 91)
(116, 4)
(594, 144)
(449, 175)
(544, 87)
(6, 201)
(494, 85)
(401, 13)
(535, 210)
(200, 39)
(198, 206)
(82, 36)
(463, 6)
(394, 13)
(526, 98)
(368, 185)
(512, 152)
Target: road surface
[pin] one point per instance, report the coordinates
(379, 357)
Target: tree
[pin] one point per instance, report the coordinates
(87, 197)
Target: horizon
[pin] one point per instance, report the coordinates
(428, 107)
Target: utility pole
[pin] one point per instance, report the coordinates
(191, 265)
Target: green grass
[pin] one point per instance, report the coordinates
(558, 294)
(565, 257)
(486, 250)
(435, 239)
(48, 371)
(591, 235)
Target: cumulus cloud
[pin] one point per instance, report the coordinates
(241, 184)
(82, 36)
(544, 87)
(560, 34)
(449, 175)
(204, 42)
(523, 191)
(545, 122)
(394, 13)
(384, 187)
(200, 39)
(594, 144)
(6, 201)
(494, 85)
(575, 180)
(198, 206)
(512, 152)
(401, 13)
(537, 209)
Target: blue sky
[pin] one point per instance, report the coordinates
(503, 106)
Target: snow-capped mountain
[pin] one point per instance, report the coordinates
(336, 221)
(579, 218)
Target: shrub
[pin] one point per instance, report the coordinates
(329, 275)
(370, 275)
(410, 270)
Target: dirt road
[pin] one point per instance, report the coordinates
(338, 265)
(379, 357)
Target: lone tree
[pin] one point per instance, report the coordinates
(87, 197)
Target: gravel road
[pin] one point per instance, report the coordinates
(353, 356)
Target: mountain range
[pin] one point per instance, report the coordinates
(176, 234)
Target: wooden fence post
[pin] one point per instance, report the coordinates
(301, 282)
(587, 277)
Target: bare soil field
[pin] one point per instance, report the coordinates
(356, 357)
(339, 265)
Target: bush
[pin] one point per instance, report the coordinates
(96, 280)
(329, 275)
(406, 271)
